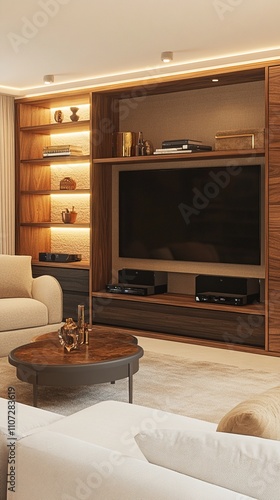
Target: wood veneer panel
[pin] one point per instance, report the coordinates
(71, 280)
(31, 145)
(274, 221)
(227, 154)
(105, 121)
(35, 208)
(34, 240)
(182, 300)
(197, 323)
(33, 115)
(274, 261)
(274, 90)
(34, 178)
(274, 136)
(102, 226)
(178, 83)
(274, 176)
(274, 210)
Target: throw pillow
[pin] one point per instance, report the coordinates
(15, 276)
(258, 416)
(244, 464)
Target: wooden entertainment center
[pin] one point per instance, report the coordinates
(153, 106)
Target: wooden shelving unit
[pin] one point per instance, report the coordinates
(35, 220)
(173, 313)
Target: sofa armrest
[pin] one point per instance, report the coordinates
(47, 289)
(65, 467)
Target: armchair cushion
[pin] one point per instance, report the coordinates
(15, 276)
(47, 290)
(28, 313)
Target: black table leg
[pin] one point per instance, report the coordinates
(35, 394)
(130, 383)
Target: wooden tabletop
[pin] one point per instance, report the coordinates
(102, 348)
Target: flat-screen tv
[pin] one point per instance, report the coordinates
(204, 214)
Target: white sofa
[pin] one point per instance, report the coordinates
(28, 306)
(116, 451)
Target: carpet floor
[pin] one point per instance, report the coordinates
(197, 389)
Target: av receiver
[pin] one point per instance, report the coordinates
(227, 290)
(136, 289)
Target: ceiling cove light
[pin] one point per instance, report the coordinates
(48, 79)
(167, 56)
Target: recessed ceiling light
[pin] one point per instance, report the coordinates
(167, 56)
(215, 80)
(48, 79)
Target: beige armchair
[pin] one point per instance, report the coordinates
(28, 306)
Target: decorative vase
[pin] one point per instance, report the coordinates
(69, 217)
(74, 117)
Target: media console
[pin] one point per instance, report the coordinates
(179, 316)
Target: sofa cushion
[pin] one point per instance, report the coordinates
(22, 313)
(26, 420)
(15, 276)
(118, 433)
(67, 468)
(257, 416)
(244, 464)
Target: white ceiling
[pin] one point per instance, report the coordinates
(90, 42)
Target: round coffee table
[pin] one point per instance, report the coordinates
(108, 357)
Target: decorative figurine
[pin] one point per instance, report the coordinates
(58, 116)
(68, 335)
(149, 149)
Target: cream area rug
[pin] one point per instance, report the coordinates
(197, 389)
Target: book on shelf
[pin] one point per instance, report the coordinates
(61, 146)
(186, 148)
(198, 147)
(173, 151)
(62, 150)
(62, 153)
(178, 143)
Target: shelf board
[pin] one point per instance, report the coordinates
(57, 159)
(54, 224)
(58, 128)
(184, 156)
(182, 300)
(57, 191)
(81, 264)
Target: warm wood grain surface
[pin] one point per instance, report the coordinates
(102, 347)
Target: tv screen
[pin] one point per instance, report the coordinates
(205, 214)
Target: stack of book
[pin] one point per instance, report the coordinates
(181, 146)
(62, 150)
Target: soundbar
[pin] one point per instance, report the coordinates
(135, 289)
(59, 257)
